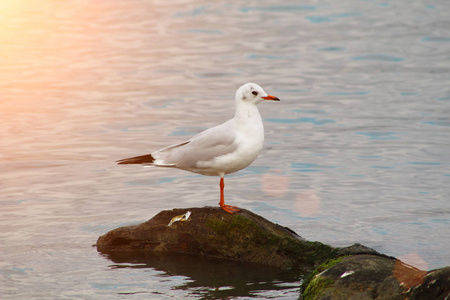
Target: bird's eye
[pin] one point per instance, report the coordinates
(255, 93)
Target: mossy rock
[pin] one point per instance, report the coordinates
(354, 272)
(209, 231)
(315, 285)
(367, 276)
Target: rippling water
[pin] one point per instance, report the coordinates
(358, 150)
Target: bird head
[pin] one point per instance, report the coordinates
(253, 93)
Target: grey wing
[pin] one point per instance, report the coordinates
(205, 146)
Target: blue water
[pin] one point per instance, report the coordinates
(357, 150)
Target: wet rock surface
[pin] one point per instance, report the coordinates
(354, 272)
(209, 231)
(375, 277)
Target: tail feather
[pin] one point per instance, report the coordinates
(143, 159)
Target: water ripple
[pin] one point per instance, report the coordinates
(332, 17)
(380, 135)
(436, 39)
(378, 57)
(279, 8)
(314, 121)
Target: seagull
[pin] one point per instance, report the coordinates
(223, 149)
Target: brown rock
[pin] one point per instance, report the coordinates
(354, 272)
(209, 231)
(375, 277)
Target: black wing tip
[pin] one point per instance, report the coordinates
(143, 159)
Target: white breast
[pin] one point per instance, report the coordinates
(249, 141)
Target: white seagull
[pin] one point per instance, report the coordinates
(220, 150)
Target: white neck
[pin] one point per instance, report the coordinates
(246, 111)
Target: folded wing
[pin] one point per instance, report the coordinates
(203, 147)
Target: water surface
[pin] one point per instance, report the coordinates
(358, 150)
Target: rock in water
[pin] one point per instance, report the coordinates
(209, 231)
(375, 277)
(355, 272)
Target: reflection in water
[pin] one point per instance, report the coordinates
(307, 203)
(209, 278)
(275, 185)
(414, 259)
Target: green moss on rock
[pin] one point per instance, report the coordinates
(247, 237)
(209, 231)
(314, 285)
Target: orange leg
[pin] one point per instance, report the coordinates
(228, 208)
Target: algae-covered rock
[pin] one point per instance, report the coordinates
(354, 272)
(374, 277)
(209, 231)
(434, 284)
(353, 277)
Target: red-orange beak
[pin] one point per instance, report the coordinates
(269, 97)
